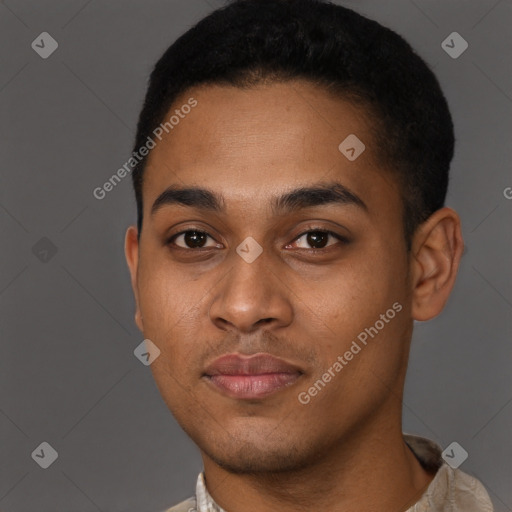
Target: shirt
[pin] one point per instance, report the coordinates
(451, 490)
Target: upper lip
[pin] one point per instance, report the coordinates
(257, 364)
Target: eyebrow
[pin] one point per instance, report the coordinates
(319, 194)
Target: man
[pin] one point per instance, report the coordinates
(292, 168)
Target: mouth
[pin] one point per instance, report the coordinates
(251, 377)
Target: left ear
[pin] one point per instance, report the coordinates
(131, 250)
(437, 248)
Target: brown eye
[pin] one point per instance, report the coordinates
(318, 239)
(190, 239)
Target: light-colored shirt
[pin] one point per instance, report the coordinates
(451, 490)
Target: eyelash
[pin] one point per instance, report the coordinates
(342, 239)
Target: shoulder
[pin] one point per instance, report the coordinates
(462, 491)
(451, 490)
(188, 505)
(469, 491)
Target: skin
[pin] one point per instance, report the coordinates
(344, 450)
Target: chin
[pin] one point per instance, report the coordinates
(262, 454)
(259, 462)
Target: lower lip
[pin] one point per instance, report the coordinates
(252, 386)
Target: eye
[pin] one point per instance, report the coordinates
(318, 239)
(191, 239)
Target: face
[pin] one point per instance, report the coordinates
(313, 278)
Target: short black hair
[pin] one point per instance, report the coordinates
(248, 42)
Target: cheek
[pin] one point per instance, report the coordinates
(157, 297)
(166, 306)
(169, 310)
(349, 306)
(360, 290)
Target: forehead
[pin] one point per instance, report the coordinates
(248, 144)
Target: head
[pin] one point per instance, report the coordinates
(257, 233)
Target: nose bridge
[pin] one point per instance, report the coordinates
(251, 291)
(250, 278)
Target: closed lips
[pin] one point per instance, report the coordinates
(259, 364)
(252, 378)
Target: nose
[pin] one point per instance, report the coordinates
(250, 296)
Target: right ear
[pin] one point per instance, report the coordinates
(131, 252)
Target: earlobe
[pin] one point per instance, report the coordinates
(437, 249)
(131, 251)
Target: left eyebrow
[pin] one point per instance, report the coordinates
(318, 194)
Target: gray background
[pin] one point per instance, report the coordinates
(68, 375)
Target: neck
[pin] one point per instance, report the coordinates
(370, 469)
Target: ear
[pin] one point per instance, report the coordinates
(437, 247)
(131, 251)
